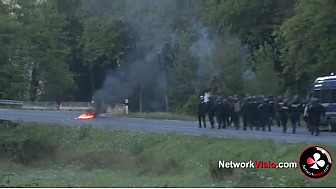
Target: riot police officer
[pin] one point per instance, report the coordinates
(226, 113)
(254, 112)
(283, 112)
(315, 111)
(219, 112)
(247, 113)
(236, 113)
(211, 110)
(294, 111)
(271, 104)
(278, 106)
(201, 111)
(264, 111)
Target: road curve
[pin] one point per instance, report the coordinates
(164, 126)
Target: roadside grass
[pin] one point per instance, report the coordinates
(36, 155)
(5, 106)
(156, 115)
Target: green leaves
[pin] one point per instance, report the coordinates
(266, 79)
(308, 43)
(104, 40)
(34, 52)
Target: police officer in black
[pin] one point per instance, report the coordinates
(264, 114)
(211, 110)
(283, 112)
(294, 111)
(219, 112)
(247, 113)
(201, 111)
(315, 111)
(271, 104)
(278, 106)
(254, 112)
(226, 113)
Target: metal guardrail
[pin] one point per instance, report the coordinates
(71, 106)
(11, 102)
(39, 105)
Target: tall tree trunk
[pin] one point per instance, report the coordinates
(167, 101)
(33, 85)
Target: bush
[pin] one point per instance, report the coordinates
(218, 174)
(190, 106)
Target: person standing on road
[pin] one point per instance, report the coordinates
(247, 113)
(219, 111)
(315, 112)
(211, 110)
(294, 111)
(284, 114)
(271, 104)
(226, 114)
(236, 113)
(278, 106)
(264, 110)
(201, 112)
(254, 113)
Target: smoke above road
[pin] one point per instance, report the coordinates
(143, 71)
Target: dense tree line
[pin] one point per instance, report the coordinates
(63, 49)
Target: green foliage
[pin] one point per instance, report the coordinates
(228, 66)
(183, 78)
(58, 49)
(252, 20)
(103, 40)
(266, 79)
(308, 40)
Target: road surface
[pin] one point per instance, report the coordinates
(164, 126)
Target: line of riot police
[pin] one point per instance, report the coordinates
(260, 112)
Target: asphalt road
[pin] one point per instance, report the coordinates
(164, 126)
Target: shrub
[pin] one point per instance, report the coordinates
(218, 174)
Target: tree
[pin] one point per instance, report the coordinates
(13, 71)
(182, 76)
(104, 41)
(309, 44)
(44, 50)
(229, 64)
(266, 79)
(252, 21)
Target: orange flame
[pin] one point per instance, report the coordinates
(86, 115)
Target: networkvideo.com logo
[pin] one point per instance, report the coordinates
(315, 162)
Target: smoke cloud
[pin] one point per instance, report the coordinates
(143, 72)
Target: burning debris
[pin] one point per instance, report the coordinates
(90, 114)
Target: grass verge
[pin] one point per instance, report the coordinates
(34, 155)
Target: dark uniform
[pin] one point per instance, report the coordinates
(315, 111)
(201, 112)
(230, 102)
(278, 105)
(226, 114)
(219, 112)
(247, 113)
(283, 112)
(211, 111)
(236, 113)
(264, 111)
(254, 112)
(271, 104)
(294, 111)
